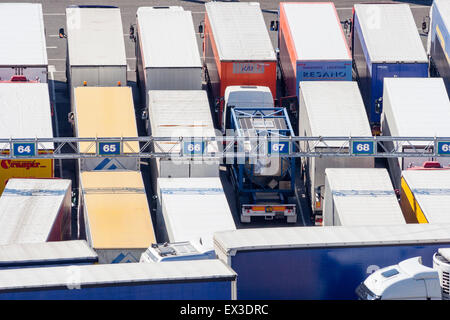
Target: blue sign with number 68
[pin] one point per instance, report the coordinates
(443, 148)
(24, 149)
(363, 147)
(193, 147)
(108, 148)
(279, 147)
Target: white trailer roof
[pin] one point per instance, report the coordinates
(95, 37)
(431, 189)
(115, 274)
(61, 251)
(331, 236)
(180, 113)
(194, 208)
(25, 112)
(416, 107)
(390, 33)
(239, 31)
(168, 38)
(316, 31)
(335, 108)
(444, 9)
(29, 207)
(364, 196)
(22, 35)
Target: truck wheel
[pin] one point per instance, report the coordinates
(245, 219)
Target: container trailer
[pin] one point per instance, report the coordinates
(167, 53)
(320, 263)
(414, 107)
(237, 50)
(327, 109)
(106, 112)
(439, 41)
(95, 47)
(46, 254)
(114, 215)
(181, 113)
(312, 45)
(192, 209)
(178, 280)
(385, 43)
(26, 113)
(35, 210)
(425, 195)
(360, 197)
(24, 51)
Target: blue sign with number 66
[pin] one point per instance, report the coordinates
(108, 148)
(278, 147)
(193, 147)
(363, 147)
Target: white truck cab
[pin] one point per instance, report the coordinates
(409, 280)
(177, 251)
(245, 97)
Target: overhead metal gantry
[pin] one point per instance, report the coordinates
(195, 147)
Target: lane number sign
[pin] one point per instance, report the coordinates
(363, 147)
(109, 148)
(24, 149)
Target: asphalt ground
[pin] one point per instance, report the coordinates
(54, 18)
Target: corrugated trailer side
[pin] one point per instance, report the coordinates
(321, 263)
(312, 45)
(237, 49)
(178, 280)
(386, 44)
(105, 112)
(440, 41)
(114, 215)
(24, 49)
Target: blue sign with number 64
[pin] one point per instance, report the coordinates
(24, 149)
(363, 147)
(279, 147)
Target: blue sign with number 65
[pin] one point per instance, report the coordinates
(108, 148)
(363, 147)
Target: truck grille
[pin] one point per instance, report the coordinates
(445, 286)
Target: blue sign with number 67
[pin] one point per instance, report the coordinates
(363, 147)
(108, 148)
(443, 148)
(24, 149)
(279, 147)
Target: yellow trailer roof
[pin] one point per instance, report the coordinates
(105, 112)
(117, 211)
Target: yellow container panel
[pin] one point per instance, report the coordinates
(411, 209)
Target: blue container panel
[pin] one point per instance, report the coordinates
(323, 70)
(220, 290)
(440, 49)
(319, 273)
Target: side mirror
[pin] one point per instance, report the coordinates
(378, 105)
(144, 115)
(71, 118)
(61, 33)
(273, 25)
(425, 25)
(200, 29)
(132, 36)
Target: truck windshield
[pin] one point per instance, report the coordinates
(365, 293)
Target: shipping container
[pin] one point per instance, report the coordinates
(237, 49)
(385, 43)
(323, 263)
(178, 280)
(24, 49)
(35, 210)
(95, 48)
(312, 45)
(106, 112)
(192, 209)
(46, 254)
(114, 215)
(167, 53)
(328, 109)
(360, 197)
(174, 113)
(425, 196)
(25, 113)
(414, 107)
(439, 41)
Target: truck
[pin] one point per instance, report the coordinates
(414, 107)
(410, 279)
(320, 263)
(237, 51)
(438, 47)
(46, 254)
(265, 184)
(327, 109)
(167, 53)
(425, 195)
(26, 113)
(192, 209)
(95, 47)
(114, 215)
(35, 210)
(360, 196)
(24, 53)
(311, 45)
(385, 43)
(181, 113)
(105, 112)
(178, 280)
(178, 251)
